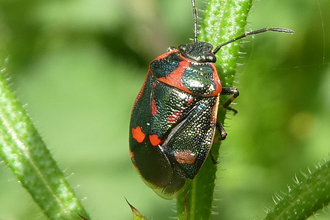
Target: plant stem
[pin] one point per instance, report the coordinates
(23, 150)
(306, 197)
(223, 20)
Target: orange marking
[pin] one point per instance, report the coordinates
(154, 140)
(174, 117)
(154, 109)
(174, 78)
(131, 154)
(138, 134)
(141, 91)
(216, 79)
(185, 156)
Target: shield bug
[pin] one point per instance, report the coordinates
(174, 117)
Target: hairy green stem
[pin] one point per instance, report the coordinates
(305, 198)
(26, 155)
(223, 20)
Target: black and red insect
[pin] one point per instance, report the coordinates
(174, 117)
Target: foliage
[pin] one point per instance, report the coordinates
(80, 64)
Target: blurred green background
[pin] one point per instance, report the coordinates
(77, 66)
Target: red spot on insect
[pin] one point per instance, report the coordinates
(138, 134)
(131, 154)
(141, 91)
(190, 101)
(217, 81)
(154, 109)
(174, 117)
(154, 140)
(185, 157)
(174, 78)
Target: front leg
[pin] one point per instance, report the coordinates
(230, 91)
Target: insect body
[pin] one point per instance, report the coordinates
(174, 118)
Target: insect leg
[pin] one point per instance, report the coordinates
(230, 91)
(222, 131)
(223, 135)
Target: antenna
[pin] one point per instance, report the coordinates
(195, 20)
(283, 30)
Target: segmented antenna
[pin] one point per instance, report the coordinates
(195, 20)
(252, 33)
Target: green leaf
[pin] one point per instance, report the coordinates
(136, 214)
(23, 150)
